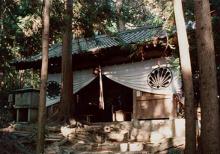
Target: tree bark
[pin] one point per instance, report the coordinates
(190, 125)
(44, 75)
(120, 21)
(67, 73)
(208, 81)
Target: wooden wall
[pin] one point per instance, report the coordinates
(153, 106)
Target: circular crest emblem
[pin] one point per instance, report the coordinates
(53, 89)
(160, 77)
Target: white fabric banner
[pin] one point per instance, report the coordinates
(136, 76)
(80, 79)
(50, 102)
(154, 76)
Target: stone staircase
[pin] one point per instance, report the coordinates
(114, 139)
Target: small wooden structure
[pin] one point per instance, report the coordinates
(26, 104)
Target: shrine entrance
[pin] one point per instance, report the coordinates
(118, 102)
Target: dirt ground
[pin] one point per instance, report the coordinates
(10, 145)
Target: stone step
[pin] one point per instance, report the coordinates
(102, 152)
(122, 148)
(127, 148)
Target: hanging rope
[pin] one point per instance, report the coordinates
(101, 96)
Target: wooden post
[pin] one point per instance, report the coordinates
(190, 126)
(29, 114)
(17, 115)
(134, 115)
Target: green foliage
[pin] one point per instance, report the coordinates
(20, 37)
(20, 31)
(91, 18)
(100, 17)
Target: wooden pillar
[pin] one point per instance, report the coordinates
(173, 113)
(17, 117)
(135, 112)
(134, 115)
(29, 115)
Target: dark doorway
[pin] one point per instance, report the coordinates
(117, 99)
(23, 115)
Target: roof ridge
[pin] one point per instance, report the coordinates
(139, 28)
(117, 33)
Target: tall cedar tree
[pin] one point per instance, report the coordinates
(44, 75)
(67, 75)
(208, 81)
(120, 21)
(190, 124)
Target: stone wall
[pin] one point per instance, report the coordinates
(145, 130)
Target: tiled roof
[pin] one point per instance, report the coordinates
(104, 41)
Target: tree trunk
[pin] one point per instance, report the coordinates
(44, 74)
(208, 81)
(187, 79)
(67, 75)
(120, 21)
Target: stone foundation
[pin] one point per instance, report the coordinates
(144, 130)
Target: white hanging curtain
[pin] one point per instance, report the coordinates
(136, 76)
(80, 79)
(50, 101)
(145, 76)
